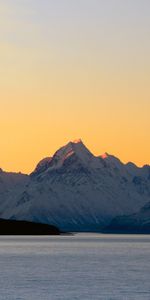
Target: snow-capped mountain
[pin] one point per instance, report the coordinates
(76, 190)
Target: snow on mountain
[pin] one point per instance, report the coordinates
(76, 190)
(42, 166)
(72, 149)
(11, 186)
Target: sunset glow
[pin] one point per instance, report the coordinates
(77, 141)
(74, 69)
(104, 155)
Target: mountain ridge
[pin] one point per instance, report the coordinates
(76, 190)
(104, 156)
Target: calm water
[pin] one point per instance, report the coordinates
(84, 266)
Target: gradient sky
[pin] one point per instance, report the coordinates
(74, 69)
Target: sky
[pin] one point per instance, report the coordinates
(74, 69)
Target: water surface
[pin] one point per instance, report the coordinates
(83, 266)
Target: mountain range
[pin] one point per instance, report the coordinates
(75, 190)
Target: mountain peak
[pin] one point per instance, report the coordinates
(77, 141)
(104, 155)
(75, 147)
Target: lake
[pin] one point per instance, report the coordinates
(83, 266)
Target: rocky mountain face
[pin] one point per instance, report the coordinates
(76, 190)
(135, 223)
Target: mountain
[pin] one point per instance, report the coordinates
(11, 186)
(78, 191)
(135, 223)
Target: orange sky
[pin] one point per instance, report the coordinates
(74, 69)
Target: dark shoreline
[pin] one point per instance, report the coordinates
(19, 227)
(15, 227)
